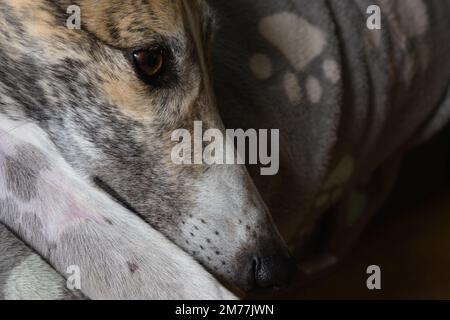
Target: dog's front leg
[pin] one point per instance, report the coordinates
(73, 224)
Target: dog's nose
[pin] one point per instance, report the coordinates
(274, 271)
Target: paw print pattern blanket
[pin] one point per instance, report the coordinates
(348, 100)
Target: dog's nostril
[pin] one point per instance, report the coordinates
(273, 272)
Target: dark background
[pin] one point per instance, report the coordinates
(409, 240)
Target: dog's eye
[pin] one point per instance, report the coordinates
(149, 63)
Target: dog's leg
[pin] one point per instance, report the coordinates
(24, 275)
(71, 223)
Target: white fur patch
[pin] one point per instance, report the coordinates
(296, 38)
(28, 132)
(33, 279)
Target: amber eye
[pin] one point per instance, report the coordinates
(150, 63)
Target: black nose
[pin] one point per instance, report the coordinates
(274, 271)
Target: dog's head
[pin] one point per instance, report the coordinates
(110, 96)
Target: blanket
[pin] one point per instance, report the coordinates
(349, 101)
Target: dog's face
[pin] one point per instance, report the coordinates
(110, 96)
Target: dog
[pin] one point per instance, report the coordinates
(136, 71)
(44, 202)
(86, 119)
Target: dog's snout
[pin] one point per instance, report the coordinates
(273, 271)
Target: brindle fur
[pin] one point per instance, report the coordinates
(79, 87)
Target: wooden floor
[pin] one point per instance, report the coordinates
(412, 249)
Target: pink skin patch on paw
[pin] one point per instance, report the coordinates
(62, 204)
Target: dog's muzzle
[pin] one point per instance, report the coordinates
(270, 268)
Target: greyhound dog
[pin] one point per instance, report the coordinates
(86, 118)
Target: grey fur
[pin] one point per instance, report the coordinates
(386, 93)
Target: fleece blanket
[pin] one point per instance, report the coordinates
(349, 100)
